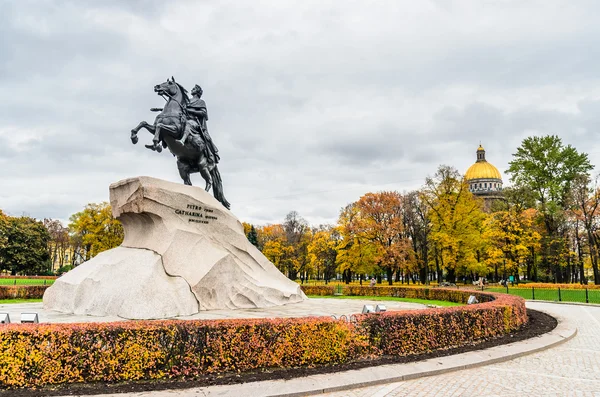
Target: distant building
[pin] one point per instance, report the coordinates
(484, 179)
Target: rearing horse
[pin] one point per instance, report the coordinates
(168, 129)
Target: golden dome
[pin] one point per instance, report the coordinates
(482, 170)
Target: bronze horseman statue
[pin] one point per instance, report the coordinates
(181, 127)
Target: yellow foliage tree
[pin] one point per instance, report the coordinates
(456, 224)
(355, 253)
(94, 230)
(322, 253)
(375, 223)
(511, 239)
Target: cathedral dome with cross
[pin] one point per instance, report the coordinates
(483, 178)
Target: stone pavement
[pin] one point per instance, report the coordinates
(569, 369)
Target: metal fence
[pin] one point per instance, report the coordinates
(583, 295)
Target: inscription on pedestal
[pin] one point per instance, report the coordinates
(197, 214)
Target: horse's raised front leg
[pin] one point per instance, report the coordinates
(156, 140)
(142, 124)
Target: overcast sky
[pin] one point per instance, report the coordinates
(311, 103)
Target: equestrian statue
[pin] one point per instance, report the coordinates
(181, 127)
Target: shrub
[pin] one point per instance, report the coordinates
(30, 277)
(321, 290)
(22, 291)
(443, 294)
(35, 355)
(64, 269)
(64, 353)
(414, 332)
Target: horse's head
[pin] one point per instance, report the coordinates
(168, 88)
(173, 90)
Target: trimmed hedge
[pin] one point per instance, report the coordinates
(35, 355)
(321, 290)
(442, 294)
(38, 355)
(22, 291)
(421, 331)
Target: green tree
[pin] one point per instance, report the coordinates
(252, 236)
(94, 230)
(23, 248)
(547, 168)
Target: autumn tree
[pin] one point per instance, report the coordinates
(286, 244)
(273, 244)
(378, 220)
(269, 233)
(59, 243)
(298, 236)
(356, 254)
(547, 168)
(585, 197)
(511, 240)
(94, 230)
(417, 225)
(322, 253)
(246, 227)
(456, 224)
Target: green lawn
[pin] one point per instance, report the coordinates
(25, 281)
(390, 298)
(6, 301)
(566, 295)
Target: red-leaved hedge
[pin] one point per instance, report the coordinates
(34, 355)
(22, 291)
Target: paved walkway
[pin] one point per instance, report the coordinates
(311, 307)
(570, 369)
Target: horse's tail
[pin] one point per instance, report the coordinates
(218, 187)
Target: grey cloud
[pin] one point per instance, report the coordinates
(311, 104)
(365, 147)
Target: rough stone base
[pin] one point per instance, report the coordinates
(126, 282)
(183, 252)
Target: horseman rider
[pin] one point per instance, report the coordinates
(196, 124)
